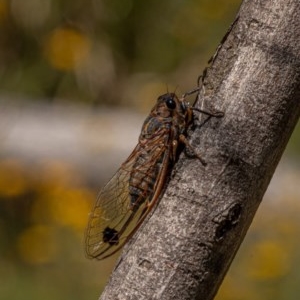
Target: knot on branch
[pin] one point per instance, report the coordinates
(227, 221)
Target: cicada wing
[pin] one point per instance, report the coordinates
(112, 220)
(110, 213)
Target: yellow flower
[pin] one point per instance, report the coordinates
(37, 244)
(66, 48)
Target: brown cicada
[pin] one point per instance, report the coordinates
(127, 198)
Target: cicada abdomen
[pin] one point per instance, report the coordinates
(127, 198)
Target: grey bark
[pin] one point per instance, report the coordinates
(185, 248)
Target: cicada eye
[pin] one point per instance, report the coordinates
(171, 104)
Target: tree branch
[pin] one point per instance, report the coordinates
(185, 248)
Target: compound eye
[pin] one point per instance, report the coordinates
(171, 104)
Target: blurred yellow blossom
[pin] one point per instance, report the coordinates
(235, 288)
(65, 48)
(271, 261)
(37, 244)
(3, 9)
(71, 208)
(12, 178)
(64, 207)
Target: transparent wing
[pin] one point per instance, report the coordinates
(112, 220)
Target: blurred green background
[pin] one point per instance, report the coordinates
(77, 78)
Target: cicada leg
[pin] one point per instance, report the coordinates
(216, 114)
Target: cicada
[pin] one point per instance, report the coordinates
(127, 198)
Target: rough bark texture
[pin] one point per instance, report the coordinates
(184, 250)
